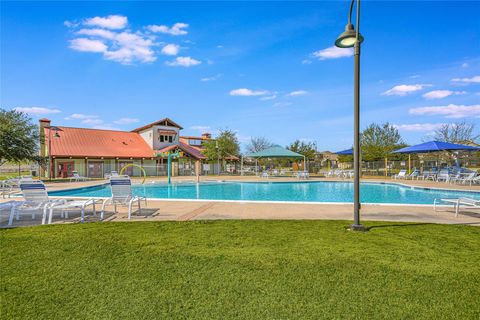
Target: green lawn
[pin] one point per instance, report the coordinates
(240, 270)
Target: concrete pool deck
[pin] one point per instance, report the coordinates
(161, 210)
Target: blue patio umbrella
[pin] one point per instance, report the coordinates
(435, 146)
(345, 152)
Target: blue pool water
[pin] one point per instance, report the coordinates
(280, 191)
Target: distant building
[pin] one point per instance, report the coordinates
(95, 152)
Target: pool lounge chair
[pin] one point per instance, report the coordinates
(466, 202)
(401, 175)
(414, 175)
(443, 175)
(76, 177)
(122, 195)
(36, 200)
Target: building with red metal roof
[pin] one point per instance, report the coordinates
(96, 152)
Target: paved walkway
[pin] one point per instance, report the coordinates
(208, 210)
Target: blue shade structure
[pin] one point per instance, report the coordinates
(435, 146)
(345, 152)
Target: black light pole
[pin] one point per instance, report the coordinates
(351, 38)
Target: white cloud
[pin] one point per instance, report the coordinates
(404, 89)
(212, 78)
(108, 22)
(171, 49)
(37, 110)
(87, 45)
(176, 30)
(70, 24)
(465, 65)
(81, 116)
(268, 97)
(131, 47)
(333, 53)
(306, 61)
(475, 79)
(420, 127)
(297, 93)
(449, 111)
(248, 92)
(202, 129)
(183, 62)
(102, 33)
(125, 47)
(126, 121)
(440, 94)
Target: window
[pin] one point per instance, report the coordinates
(164, 138)
(195, 142)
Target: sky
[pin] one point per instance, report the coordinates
(262, 69)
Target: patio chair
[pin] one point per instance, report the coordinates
(76, 177)
(401, 175)
(414, 175)
(443, 175)
(467, 202)
(122, 195)
(470, 178)
(36, 199)
(265, 175)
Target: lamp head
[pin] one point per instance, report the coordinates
(348, 37)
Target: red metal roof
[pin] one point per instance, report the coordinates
(81, 142)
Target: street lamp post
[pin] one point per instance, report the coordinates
(351, 38)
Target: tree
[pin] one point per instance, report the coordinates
(226, 144)
(378, 141)
(308, 149)
(459, 132)
(258, 144)
(18, 137)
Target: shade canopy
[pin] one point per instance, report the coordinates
(435, 146)
(345, 152)
(274, 152)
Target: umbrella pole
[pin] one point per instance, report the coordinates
(386, 167)
(409, 164)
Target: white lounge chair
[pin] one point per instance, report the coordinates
(36, 199)
(467, 202)
(414, 175)
(443, 175)
(470, 178)
(122, 195)
(65, 206)
(76, 177)
(401, 175)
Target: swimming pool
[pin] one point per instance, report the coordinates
(313, 191)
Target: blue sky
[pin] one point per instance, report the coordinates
(260, 68)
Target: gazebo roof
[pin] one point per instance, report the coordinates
(274, 152)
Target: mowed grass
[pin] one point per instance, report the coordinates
(240, 270)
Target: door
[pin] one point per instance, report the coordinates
(95, 169)
(128, 171)
(65, 169)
